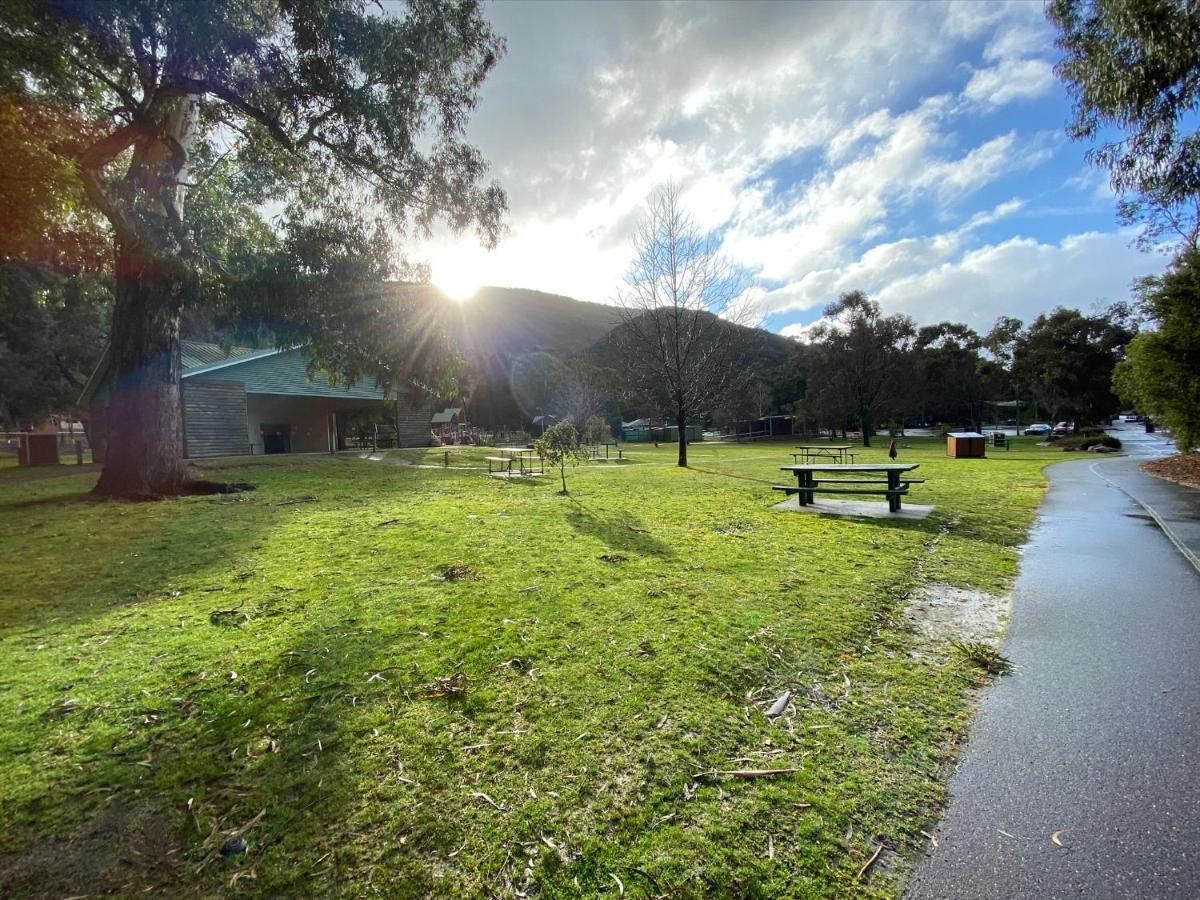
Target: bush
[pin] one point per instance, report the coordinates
(559, 447)
(1087, 441)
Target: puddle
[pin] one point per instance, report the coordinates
(941, 612)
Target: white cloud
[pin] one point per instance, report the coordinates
(818, 148)
(1013, 79)
(1021, 277)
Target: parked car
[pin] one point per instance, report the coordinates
(1062, 428)
(1132, 417)
(1038, 430)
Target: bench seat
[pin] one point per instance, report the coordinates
(865, 481)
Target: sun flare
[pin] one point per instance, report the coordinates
(458, 286)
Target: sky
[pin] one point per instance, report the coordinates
(916, 152)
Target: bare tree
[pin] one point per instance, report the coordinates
(680, 333)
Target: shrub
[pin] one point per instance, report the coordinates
(1087, 441)
(559, 447)
(596, 431)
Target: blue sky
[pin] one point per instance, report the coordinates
(913, 151)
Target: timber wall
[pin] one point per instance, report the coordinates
(214, 418)
(412, 422)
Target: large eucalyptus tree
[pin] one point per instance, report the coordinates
(341, 119)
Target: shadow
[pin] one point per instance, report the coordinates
(730, 475)
(91, 556)
(622, 534)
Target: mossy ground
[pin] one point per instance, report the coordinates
(615, 643)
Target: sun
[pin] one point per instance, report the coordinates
(460, 286)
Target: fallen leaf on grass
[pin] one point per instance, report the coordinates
(482, 796)
(780, 705)
(1056, 839)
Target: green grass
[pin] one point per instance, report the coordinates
(614, 644)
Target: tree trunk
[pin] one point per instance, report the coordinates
(863, 419)
(681, 421)
(144, 456)
(144, 422)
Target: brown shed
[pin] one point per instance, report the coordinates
(38, 449)
(965, 445)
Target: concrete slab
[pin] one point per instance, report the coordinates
(859, 509)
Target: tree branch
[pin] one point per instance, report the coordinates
(199, 86)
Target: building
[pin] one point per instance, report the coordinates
(247, 401)
(663, 431)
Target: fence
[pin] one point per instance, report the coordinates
(71, 446)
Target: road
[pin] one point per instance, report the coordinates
(1095, 738)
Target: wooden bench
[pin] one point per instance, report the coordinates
(855, 479)
(594, 454)
(499, 464)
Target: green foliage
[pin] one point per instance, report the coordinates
(1065, 360)
(52, 330)
(1132, 66)
(1084, 441)
(864, 359)
(349, 118)
(47, 219)
(560, 448)
(1160, 375)
(596, 431)
(983, 655)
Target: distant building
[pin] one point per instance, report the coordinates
(661, 430)
(244, 401)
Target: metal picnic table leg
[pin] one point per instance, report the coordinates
(893, 485)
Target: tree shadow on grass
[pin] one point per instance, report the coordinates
(622, 533)
(82, 557)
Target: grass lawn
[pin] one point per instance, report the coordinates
(295, 663)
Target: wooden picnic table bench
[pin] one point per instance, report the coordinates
(594, 451)
(499, 463)
(838, 453)
(858, 481)
(524, 457)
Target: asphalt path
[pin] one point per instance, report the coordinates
(1081, 775)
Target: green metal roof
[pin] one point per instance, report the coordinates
(268, 371)
(446, 416)
(194, 354)
(285, 372)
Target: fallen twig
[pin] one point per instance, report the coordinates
(482, 796)
(745, 773)
(870, 862)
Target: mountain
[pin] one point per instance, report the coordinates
(508, 322)
(515, 342)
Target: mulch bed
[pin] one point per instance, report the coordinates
(1182, 469)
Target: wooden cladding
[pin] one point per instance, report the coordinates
(214, 418)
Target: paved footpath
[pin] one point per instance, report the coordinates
(1095, 737)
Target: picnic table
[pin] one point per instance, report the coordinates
(855, 479)
(838, 453)
(523, 457)
(594, 450)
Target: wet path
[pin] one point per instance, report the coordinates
(1095, 739)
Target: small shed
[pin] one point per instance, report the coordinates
(38, 449)
(965, 445)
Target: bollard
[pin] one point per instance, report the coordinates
(79, 453)
(446, 458)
